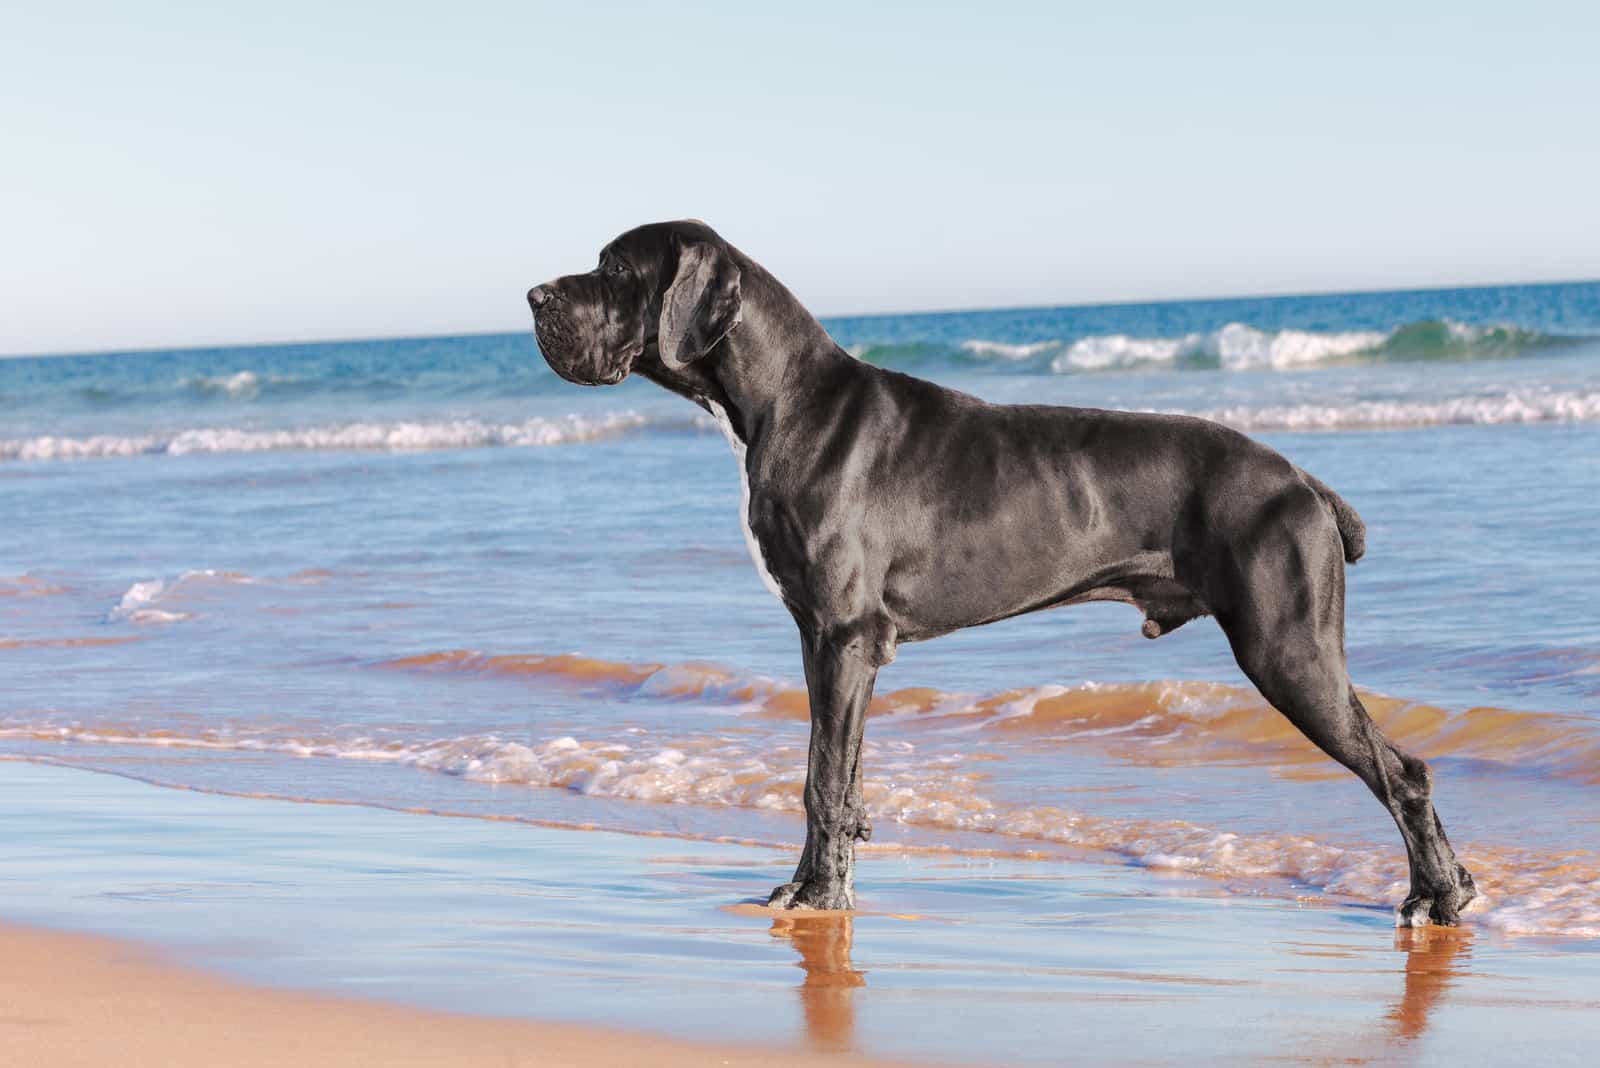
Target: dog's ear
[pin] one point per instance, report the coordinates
(700, 306)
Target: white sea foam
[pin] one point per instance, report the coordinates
(1524, 891)
(1242, 348)
(143, 602)
(241, 384)
(1515, 406)
(1235, 347)
(1005, 351)
(398, 436)
(1104, 352)
(138, 605)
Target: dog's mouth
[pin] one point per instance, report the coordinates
(609, 378)
(598, 371)
(624, 365)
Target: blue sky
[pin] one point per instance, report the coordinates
(187, 173)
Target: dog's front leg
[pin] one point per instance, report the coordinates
(840, 672)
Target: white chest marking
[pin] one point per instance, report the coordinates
(750, 541)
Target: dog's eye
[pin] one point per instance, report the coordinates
(617, 270)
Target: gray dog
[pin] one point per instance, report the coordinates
(882, 509)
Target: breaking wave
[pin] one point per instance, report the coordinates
(241, 385)
(391, 436)
(138, 605)
(1521, 406)
(160, 601)
(1233, 347)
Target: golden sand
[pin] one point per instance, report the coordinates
(71, 1000)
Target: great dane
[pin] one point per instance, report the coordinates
(880, 509)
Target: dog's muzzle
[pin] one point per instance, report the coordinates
(567, 348)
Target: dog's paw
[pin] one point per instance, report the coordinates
(1441, 908)
(782, 897)
(811, 895)
(1414, 911)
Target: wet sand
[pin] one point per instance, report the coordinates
(540, 935)
(78, 1000)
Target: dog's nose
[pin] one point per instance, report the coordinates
(538, 295)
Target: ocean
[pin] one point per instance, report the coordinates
(426, 574)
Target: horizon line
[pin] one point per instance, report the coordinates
(824, 317)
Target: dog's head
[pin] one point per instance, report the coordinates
(668, 287)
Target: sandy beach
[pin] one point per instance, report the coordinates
(78, 1000)
(348, 935)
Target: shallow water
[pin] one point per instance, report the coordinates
(953, 958)
(426, 574)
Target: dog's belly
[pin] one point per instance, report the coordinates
(1054, 530)
(960, 593)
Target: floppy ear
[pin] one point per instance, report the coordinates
(700, 306)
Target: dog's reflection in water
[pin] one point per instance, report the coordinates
(823, 942)
(1435, 958)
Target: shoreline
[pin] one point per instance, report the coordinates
(74, 999)
(207, 919)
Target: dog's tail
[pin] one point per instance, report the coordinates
(1352, 531)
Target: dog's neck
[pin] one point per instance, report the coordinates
(769, 359)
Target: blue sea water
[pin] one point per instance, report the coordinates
(426, 573)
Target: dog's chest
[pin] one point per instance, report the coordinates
(750, 540)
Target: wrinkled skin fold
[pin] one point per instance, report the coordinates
(884, 509)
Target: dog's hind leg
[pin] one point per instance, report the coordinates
(1286, 625)
(840, 672)
(1328, 712)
